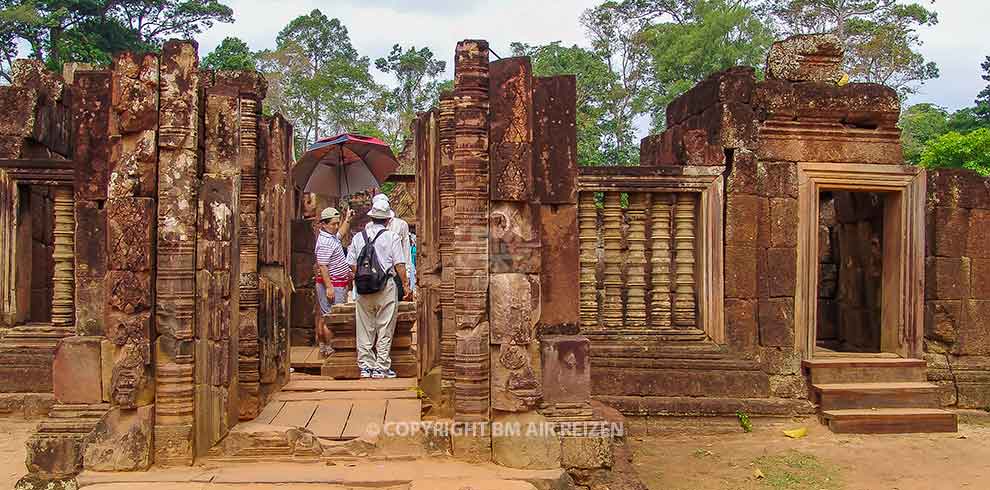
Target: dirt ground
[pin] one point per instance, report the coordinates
(13, 434)
(692, 455)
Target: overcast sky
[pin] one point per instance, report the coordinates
(957, 44)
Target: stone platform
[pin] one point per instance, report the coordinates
(342, 410)
(434, 473)
(316, 418)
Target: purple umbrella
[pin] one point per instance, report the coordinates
(344, 165)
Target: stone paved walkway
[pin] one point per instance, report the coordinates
(342, 409)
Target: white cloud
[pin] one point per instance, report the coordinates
(958, 44)
(375, 25)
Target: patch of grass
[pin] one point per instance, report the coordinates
(744, 422)
(702, 453)
(974, 418)
(794, 470)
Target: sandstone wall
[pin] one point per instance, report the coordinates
(757, 131)
(957, 295)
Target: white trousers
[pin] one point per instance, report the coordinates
(375, 316)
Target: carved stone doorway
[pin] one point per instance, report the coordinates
(892, 199)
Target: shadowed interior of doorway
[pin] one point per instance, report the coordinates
(850, 281)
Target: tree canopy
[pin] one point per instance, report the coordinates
(417, 89)
(319, 81)
(703, 37)
(971, 150)
(983, 98)
(880, 36)
(59, 31)
(231, 54)
(594, 82)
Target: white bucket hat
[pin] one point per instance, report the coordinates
(380, 210)
(383, 198)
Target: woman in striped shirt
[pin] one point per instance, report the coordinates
(334, 275)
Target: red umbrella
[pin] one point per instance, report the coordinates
(344, 165)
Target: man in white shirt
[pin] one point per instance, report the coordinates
(401, 228)
(376, 313)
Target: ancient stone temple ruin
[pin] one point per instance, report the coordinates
(771, 254)
(145, 252)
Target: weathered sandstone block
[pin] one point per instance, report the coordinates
(806, 58)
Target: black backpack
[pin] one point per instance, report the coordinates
(370, 277)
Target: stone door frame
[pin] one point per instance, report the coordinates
(902, 310)
(55, 173)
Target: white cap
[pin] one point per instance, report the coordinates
(329, 213)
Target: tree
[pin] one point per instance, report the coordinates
(417, 87)
(705, 36)
(231, 54)
(615, 30)
(318, 80)
(953, 149)
(594, 83)
(983, 98)
(58, 31)
(920, 124)
(880, 36)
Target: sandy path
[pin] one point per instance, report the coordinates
(670, 458)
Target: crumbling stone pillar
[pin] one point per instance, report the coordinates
(472, 356)
(250, 90)
(127, 372)
(447, 188)
(217, 264)
(91, 118)
(274, 254)
(515, 238)
(175, 308)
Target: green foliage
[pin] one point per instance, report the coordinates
(319, 81)
(880, 36)
(594, 82)
(706, 36)
(920, 124)
(417, 90)
(231, 54)
(643, 54)
(971, 150)
(59, 31)
(615, 31)
(983, 98)
(967, 119)
(744, 422)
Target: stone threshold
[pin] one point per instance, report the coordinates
(358, 474)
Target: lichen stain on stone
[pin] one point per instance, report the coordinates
(221, 214)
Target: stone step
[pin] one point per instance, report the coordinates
(706, 406)
(890, 420)
(302, 382)
(865, 370)
(421, 474)
(836, 396)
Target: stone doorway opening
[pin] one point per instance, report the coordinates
(850, 272)
(860, 260)
(30, 273)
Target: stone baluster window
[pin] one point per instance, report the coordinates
(650, 255)
(638, 262)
